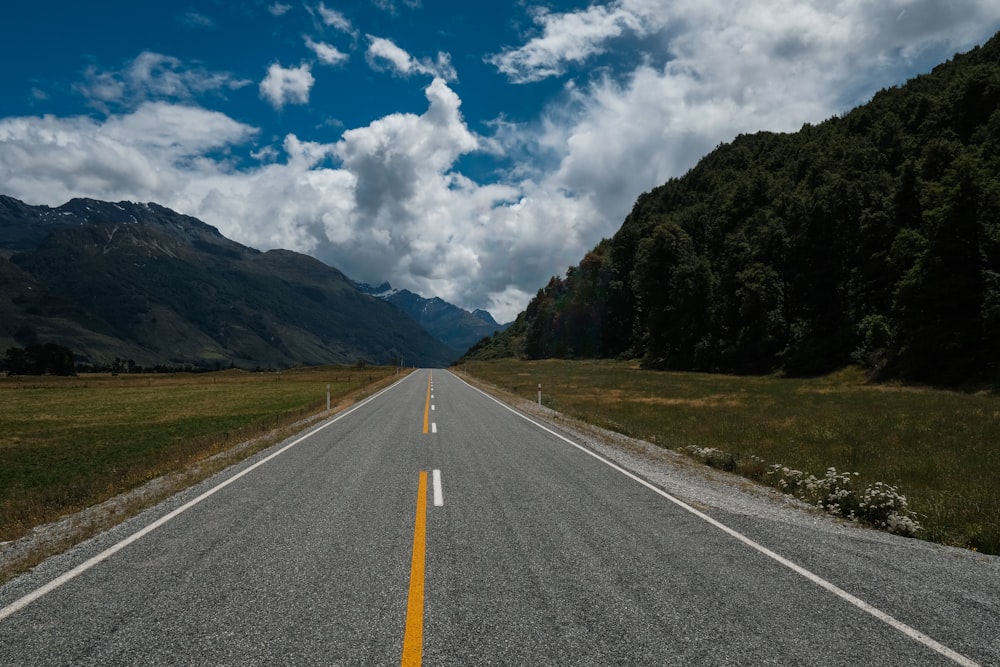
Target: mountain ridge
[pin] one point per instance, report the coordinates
(140, 281)
(456, 327)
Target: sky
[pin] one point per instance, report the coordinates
(467, 150)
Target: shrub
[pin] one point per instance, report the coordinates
(879, 505)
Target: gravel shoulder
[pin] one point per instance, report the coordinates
(946, 593)
(700, 486)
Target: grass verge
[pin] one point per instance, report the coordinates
(937, 448)
(128, 441)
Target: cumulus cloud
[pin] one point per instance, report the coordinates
(327, 54)
(148, 153)
(427, 227)
(289, 85)
(573, 37)
(385, 54)
(278, 9)
(390, 156)
(719, 68)
(883, 29)
(334, 19)
(153, 76)
(389, 200)
(393, 207)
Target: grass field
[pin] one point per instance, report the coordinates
(940, 448)
(68, 443)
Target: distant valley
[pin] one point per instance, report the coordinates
(457, 328)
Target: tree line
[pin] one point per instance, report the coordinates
(39, 359)
(872, 238)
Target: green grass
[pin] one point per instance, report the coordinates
(940, 448)
(68, 443)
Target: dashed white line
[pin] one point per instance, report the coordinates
(438, 494)
(434, 427)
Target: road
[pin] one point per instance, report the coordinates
(432, 523)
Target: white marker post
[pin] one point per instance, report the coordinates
(539, 393)
(327, 398)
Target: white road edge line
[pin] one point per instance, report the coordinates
(910, 632)
(438, 495)
(24, 601)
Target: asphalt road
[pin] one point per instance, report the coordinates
(525, 550)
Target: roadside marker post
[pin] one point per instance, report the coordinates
(539, 393)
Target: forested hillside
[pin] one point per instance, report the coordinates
(871, 238)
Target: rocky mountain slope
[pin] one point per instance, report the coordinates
(142, 282)
(457, 328)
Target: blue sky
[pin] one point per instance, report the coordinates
(464, 150)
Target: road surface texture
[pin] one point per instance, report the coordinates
(432, 523)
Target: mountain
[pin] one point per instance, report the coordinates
(455, 327)
(142, 282)
(871, 238)
(485, 316)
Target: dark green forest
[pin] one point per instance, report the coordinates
(872, 238)
(38, 359)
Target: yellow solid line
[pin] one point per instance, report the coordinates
(427, 405)
(413, 640)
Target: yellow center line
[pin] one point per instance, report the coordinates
(427, 405)
(413, 640)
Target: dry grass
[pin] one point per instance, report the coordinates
(940, 448)
(70, 443)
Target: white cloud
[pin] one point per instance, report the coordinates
(289, 85)
(391, 5)
(149, 153)
(388, 200)
(327, 54)
(176, 132)
(720, 68)
(884, 29)
(381, 50)
(154, 76)
(103, 88)
(334, 19)
(391, 155)
(278, 9)
(393, 209)
(196, 20)
(572, 37)
(428, 228)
